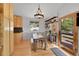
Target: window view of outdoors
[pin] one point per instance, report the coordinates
(34, 26)
(67, 32)
(67, 25)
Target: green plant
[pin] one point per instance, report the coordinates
(67, 24)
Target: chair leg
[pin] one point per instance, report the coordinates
(35, 45)
(41, 43)
(45, 45)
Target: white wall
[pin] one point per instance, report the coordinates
(68, 8)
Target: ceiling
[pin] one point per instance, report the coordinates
(49, 9)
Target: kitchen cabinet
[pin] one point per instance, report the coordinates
(18, 29)
(6, 29)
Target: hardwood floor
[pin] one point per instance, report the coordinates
(24, 49)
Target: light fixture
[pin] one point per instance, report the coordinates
(39, 14)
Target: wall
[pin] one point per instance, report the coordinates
(68, 8)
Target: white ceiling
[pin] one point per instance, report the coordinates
(49, 9)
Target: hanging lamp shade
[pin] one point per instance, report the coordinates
(39, 14)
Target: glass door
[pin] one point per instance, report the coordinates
(67, 25)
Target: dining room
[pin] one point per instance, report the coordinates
(40, 26)
(39, 29)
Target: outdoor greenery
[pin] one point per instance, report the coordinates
(67, 24)
(34, 25)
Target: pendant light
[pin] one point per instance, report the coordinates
(39, 14)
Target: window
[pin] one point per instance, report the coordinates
(67, 32)
(34, 25)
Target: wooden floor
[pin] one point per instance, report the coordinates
(24, 49)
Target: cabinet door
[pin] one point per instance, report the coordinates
(11, 29)
(6, 29)
(17, 21)
(1, 35)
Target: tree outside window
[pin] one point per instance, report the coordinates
(34, 25)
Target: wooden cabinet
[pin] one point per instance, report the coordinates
(6, 24)
(1, 29)
(17, 21)
(17, 29)
(1, 34)
(1, 8)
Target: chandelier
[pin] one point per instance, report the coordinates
(39, 14)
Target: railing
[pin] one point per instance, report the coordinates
(71, 34)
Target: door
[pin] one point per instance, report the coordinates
(1, 35)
